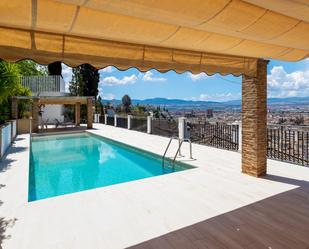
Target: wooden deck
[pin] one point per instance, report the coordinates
(281, 221)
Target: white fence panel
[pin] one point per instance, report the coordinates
(5, 138)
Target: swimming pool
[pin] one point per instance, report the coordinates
(63, 164)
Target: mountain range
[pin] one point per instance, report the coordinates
(180, 103)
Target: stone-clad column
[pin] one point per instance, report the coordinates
(89, 113)
(35, 115)
(77, 114)
(254, 121)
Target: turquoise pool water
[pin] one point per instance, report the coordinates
(62, 164)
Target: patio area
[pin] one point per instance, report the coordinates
(211, 206)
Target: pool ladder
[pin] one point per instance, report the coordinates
(180, 142)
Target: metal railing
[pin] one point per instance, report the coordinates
(165, 127)
(284, 143)
(110, 120)
(48, 83)
(289, 144)
(223, 136)
(139, 124)
(122, 122)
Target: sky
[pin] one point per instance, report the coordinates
(284, 79)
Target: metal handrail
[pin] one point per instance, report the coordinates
(167, 147)
(178, 150)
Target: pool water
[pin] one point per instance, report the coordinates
(63, 164)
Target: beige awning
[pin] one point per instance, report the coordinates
(224, 36)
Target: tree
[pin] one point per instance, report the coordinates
(9, 80)
(100, 104)
(126, 103)
(30, 68)
(299, 120)
(24, 105)
(91, 78)
(281, 120)
(77, 84)
(10, 85)
(85, 81)
(55, 68)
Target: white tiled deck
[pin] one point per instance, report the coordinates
(126, 214)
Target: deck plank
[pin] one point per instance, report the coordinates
(281, 222)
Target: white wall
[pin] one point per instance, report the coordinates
(52, 112)
(5, 138)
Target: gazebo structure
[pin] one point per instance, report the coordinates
(214, 36)
(63, 100)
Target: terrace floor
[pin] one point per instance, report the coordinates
(210, 206)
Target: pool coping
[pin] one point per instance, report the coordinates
(185, 165)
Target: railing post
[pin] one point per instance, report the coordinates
(96, 118)
(239, 136)
(105, 119)
(149, 119)
(182, 128)
(129, 122)
(115, 120)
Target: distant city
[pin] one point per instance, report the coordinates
(282, 111)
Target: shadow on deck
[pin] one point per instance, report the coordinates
(281, 221)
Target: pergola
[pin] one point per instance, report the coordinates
(212, 36)
(77, 101)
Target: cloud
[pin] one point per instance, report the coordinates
(148, 76)
(282, 84)
(196, 77)
(108, 96)
(112, 80)
(67, 75)
(108, 69)
(217, 97)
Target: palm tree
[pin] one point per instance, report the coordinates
(9, 79)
